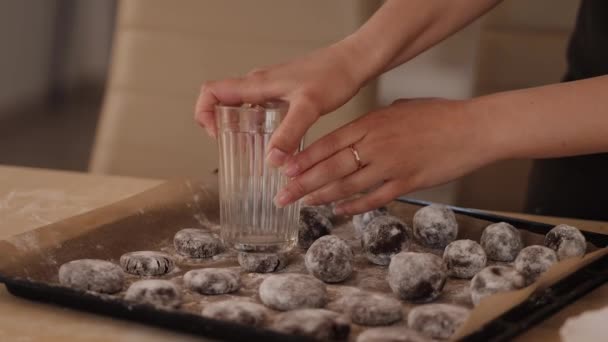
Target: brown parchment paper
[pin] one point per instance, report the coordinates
(149, 220)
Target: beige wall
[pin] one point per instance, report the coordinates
(27, 29)
(90, 42)
(25, 45)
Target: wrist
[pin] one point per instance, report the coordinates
(361, 57)
(491, 135)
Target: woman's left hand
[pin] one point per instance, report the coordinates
(410, 145)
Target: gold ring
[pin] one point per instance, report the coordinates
(356, 155)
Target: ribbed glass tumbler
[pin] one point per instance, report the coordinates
(249, 220)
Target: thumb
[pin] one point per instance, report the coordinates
(286, 139)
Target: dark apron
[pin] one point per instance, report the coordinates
(577, 186)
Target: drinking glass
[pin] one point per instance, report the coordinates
(250, 222)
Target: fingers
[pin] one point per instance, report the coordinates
(204, 112)
(286, 139)
(377, 198)
(335, 167)
(345, 187)
(324, 147)
(251, 89)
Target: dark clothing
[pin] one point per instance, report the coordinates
(588, 49)
(577, 186)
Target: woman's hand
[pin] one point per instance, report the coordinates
(410, 145)
(324, 80)
(314, 85)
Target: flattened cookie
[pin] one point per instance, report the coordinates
(438, 321)
(262, 262)
(92, 275)
(293, 291)
(367, 308)
(146, 263)
(158, 292)
(197, 243)
(213, 281)
(320, 324)
(237, 311)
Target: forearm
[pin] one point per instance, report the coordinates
(402, 29)
(552, 121)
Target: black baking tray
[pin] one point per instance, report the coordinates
(505, 327)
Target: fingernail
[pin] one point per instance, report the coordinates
(282, 199)
(211, 133)
(338, 211)
(276, 157)
(291, 170)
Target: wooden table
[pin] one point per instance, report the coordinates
(30, 198)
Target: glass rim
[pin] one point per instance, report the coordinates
(270, 105)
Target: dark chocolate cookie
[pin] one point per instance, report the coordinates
(146, 263)
(417, 277)
(92, 275)
(329, 259)
(566, 241)
(501, 241)
(312, 225)
(435, 226)
(384, 237)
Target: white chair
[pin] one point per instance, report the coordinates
(164, 50)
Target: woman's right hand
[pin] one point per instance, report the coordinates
(314, 85)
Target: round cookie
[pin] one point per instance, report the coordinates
(464, 258)
(237, 311)
(384, 237)
(494, 279)
(157, 292)
(326, 210)
(311, 226)
(213, 281)
(418, 277)
(329, 259)
(435, 226)
(501, 241)
(391, 334)
(262, 262)
(146, 263)
(92, 275)
(293, 291)
(367, 308)
(361, 221)
(532, 261)
(197, 243)
(566, 241)
(320, 324)
(437, 321)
